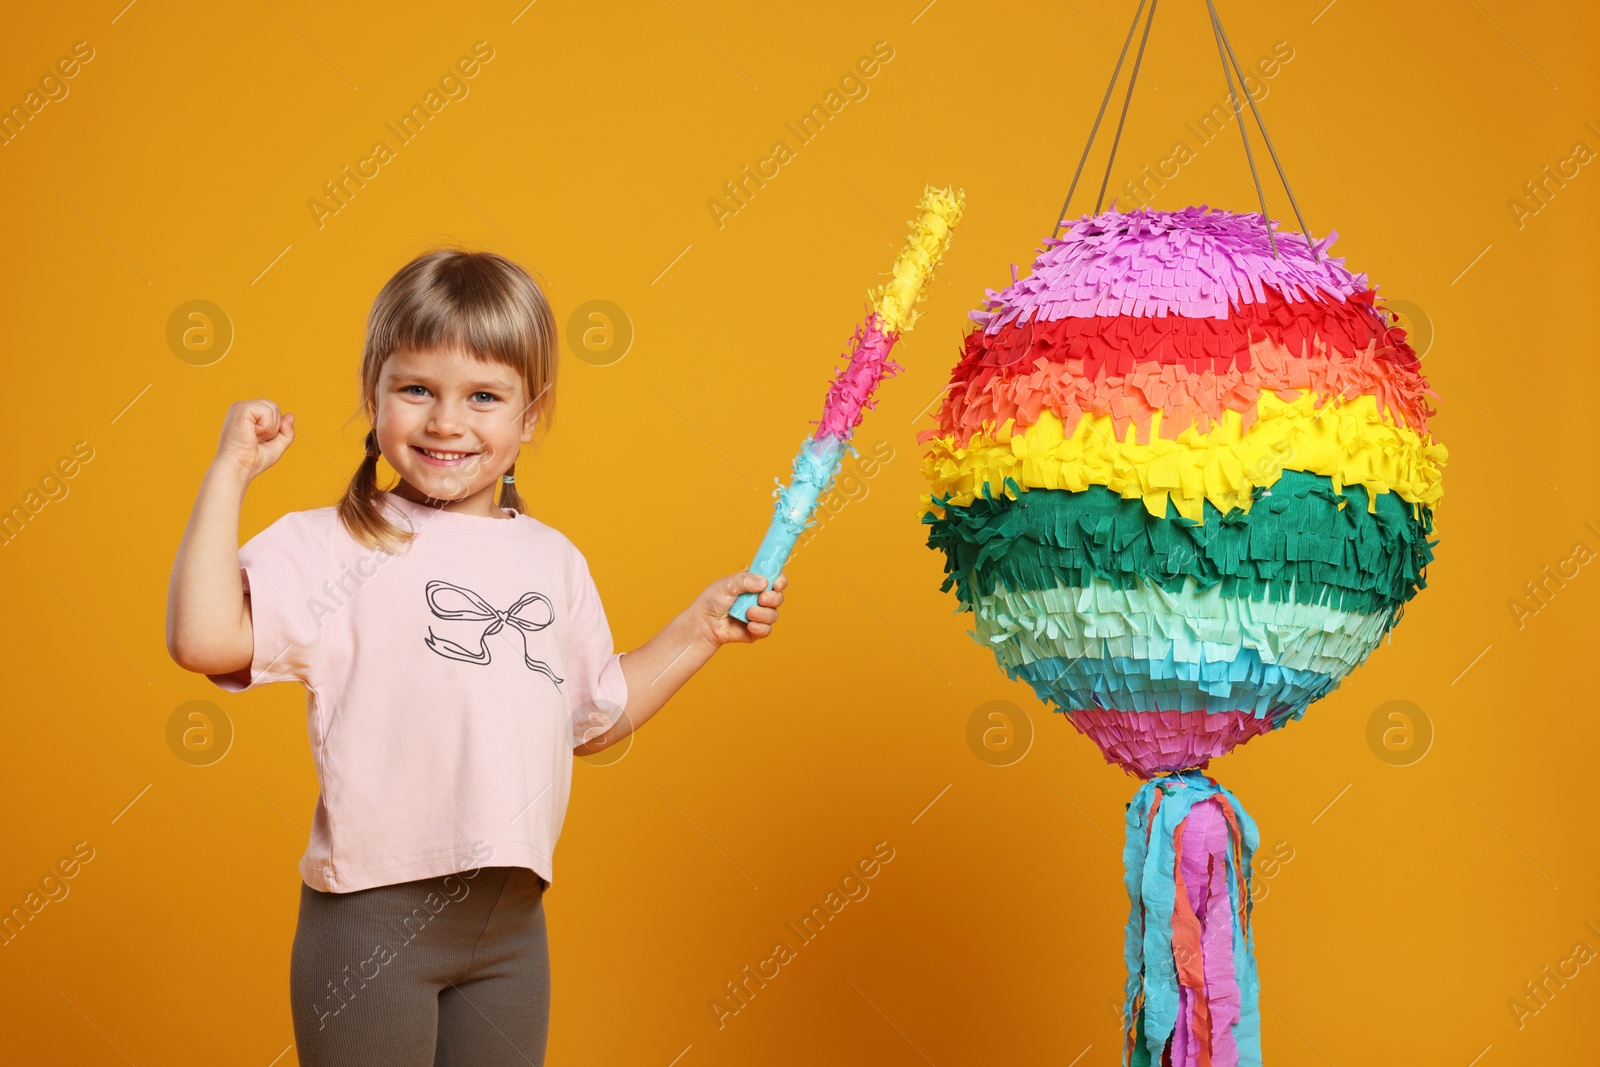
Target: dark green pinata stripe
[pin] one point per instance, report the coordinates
(1295, 540)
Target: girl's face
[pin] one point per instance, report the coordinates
(451, 424)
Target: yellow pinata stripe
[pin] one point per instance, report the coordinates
(895, 301)
(1349, 442)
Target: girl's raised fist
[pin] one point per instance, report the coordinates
(255, 435)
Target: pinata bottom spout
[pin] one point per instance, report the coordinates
(1148, 743)
(1192, 990)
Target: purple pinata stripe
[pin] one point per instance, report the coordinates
(1194, 262)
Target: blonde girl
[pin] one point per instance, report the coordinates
(455, 656)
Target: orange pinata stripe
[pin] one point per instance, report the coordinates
(1184, 396)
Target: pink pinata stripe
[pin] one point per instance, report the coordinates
(850, 396)
(1193, 262)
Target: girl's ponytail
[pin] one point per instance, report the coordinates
(509, 497)
(358, 508)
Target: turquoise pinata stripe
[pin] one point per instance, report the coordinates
(1243, 684)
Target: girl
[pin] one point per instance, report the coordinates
(455, 656)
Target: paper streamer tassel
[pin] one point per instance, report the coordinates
(1192, 990)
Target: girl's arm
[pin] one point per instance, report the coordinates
(208, 611)
(660, 666)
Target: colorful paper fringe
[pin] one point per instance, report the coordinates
(1115, 344)
(1185, 487)
(1349, 441)
(895, 303)
(1145, 649)
(1130, 384)
(1300, 540)
(1192, 262)
(1192, 997)
(892, 311)
(1148, 743)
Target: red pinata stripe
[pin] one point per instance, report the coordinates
(1184, 398)
(1117, 343)
(1012, 375)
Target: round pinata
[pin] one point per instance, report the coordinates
(1184, 485)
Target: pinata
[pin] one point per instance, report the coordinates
(1183, 480)
(1184, 487)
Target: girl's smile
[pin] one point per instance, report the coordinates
(442, 459)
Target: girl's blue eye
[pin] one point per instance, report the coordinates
(491, 397)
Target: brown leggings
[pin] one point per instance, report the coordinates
(439, 971)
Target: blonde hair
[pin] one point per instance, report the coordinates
(480, 302)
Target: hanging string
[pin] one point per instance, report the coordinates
(1098, 116)
(1132, 81)
(1230, 68)
(1238, 119)
(1216, 21)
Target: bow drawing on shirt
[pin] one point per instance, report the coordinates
(483, 611)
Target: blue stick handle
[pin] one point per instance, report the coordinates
(815, 467)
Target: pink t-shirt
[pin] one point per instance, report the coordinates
(446, 686)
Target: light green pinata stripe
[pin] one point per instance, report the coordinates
(1192, 626)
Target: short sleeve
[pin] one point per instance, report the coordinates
(283, 568)
(598, 690)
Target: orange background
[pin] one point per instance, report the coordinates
(178, 167)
